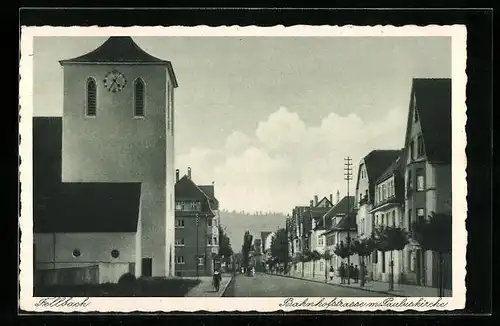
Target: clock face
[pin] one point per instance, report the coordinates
(115, 81)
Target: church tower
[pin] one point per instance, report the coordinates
(118, 126)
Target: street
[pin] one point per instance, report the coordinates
(265, 285)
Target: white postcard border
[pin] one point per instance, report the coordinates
(458, 33)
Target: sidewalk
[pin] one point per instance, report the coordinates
(401, 290)
(206, 289)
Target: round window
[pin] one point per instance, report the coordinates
(115, 253)
(76, 253)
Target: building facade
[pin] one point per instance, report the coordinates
(338, 227)
(370, 169)
(196, 245)
(117, 132)
(427, 163)
(388, 210)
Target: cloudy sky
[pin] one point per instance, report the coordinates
(269, 119)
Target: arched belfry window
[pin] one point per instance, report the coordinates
(139, 97)
(91, 109)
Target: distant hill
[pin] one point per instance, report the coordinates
(236, 223)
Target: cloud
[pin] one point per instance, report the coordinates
(288, 162)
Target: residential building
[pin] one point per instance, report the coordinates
(195, 243)
(388, 210)
(371, 167)
(213, 230)
(428, 178)
(337, 228)
(104, 175)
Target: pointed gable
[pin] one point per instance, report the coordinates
(339, 209)
(120, 50)
(430, 100)
(325, 202)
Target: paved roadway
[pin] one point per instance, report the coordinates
(265, 285)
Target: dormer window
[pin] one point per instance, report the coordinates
(91, 98)
(139, 97)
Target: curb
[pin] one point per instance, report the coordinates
(341, 285)
(224, 290)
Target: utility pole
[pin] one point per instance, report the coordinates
(348, 177)
(197, 245)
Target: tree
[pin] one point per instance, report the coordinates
(390, 238)
(225, 249)
(363, 247)
(315, 256)
(327, 256)
(279, 248)
(435, 234)
(246, 248)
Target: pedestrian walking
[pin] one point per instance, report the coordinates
(342, 273)
(356, 274)
(351, 271)
(331, 273)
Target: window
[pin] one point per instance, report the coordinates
(384, 192)
(209, 222)
(393, 218)
(76, 253)
(115, 253)
(391, 188)
(379, 192)
(188, 206)
(179, 259)
(320, 241)
(420, 180)
(179, 223)
(209, 241)
(321, 266)
(201, 261)
(215, 241)
(409, 180)
(420, 214)
(91, 109)
(139, 98)
(412, 150)
(420, 146)
(179, 242)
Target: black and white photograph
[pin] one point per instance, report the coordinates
(241, 164)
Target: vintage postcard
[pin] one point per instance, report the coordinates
(243, 168)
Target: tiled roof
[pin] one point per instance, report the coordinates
(186, 189)
(377, 161)
(347, 223)
(75, 207)
(119, 49)
(396, 167)
(433, 97)
(210, 192)
(88, 207)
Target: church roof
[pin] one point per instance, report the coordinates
(88, 207)
(120, 50)
(75, 207)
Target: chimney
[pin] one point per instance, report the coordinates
(338, 196)
(189, 173)
(331, 198)
(177, 175)
(315, 200)
(311, 203)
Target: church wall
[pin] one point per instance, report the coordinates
(115, 146)
(95, 249)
